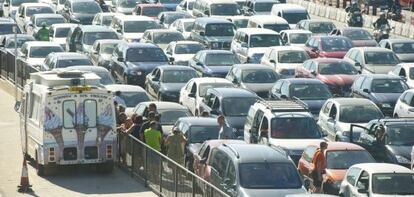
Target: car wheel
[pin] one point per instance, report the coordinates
(40, 169)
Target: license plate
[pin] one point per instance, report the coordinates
(79, 89)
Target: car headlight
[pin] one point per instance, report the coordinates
(136, 72)
(214, 45)
(401, 159)
(386, 105)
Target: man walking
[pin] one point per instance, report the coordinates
(319, 167)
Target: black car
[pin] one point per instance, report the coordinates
(214, 33)
(384, 90)
(213, 63)
(165, 82)
(80, 11)
(131, 62)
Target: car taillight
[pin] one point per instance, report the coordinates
(51, 154)
(109, 151)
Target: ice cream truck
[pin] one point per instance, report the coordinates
(68, 118)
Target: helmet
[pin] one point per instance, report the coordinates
(43, 24)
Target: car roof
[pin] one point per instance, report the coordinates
(209, 51)
(47, 16)
(69, 55)
(296, 31)
(6, 20)
(185, 42)
(318, 20)
(250, 31)
(406, 65)
(124, 88)
(399, 40)
(254, 153)
(381, 76)
(175, 13)
(394, 121)
(287, 48)
(330, 37)
(139, 45)
(133, 18)
(163, 31)
(201, 80)
(352, 101)
(164, 105)
(303, 81)
(40, 43)
(35, 4)
(216, 143)
(288, 6)
(206, 20)
(373, 49)
(200, 121)
(336, 146)
(109, 14)
(97, 69)
(186, 19)
(350, 28)
(221, 1)
(252, 66)
(143, 5)
(11, 36)
(268, 19)
(233, 92)
(57, 25)
(174, 67)
(373, 168)
(95, 28)
(275, 1)
(319, 60)
(77, 1)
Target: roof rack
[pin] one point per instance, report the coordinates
(232, 150)
(390, 120)
(293, 105)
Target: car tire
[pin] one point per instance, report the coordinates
(40, 169)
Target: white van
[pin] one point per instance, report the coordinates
(68, 118)
(215, 8)
(274, 23)
(292, 13)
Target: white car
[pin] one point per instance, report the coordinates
(132, 27)
(26, 10)
(183, 25)
(104, 18)
(59, 32)
(412, 158)
(406, 71)
(180, 52)
(192, 94)
(35, 23)
(405, 105)
(295, 37)
(377, 179)
(284, 59)
(131, 94)
(34, 53)
(185, 6)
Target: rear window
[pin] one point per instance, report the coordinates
(145, 55)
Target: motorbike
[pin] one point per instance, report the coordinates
(355, 19)
(382, 33)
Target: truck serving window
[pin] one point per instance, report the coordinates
(90, 113)
(69, 114)
(34, 113)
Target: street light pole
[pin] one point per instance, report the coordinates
(15, 61)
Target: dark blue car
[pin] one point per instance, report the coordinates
(213, 63)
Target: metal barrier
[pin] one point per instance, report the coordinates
(164, 176)
(8, 67)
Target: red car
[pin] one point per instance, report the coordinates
(359, 36)
(328, 46)
(150, 10)
(337, 74)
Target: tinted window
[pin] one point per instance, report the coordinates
(20, 42)
(292, 56)
(17, 3)
(321, 27)
(91, 37)
(336, 68)
(299, 38)
(242, 107)
(219, 30)
(49, 21)
(295, 17)
(310, 91)
(259, 76)
(72, 62)
(336, 44)
(393, 184)
(169, 117)
(205, 86)
(221, 59)
(106, 79)
(61, 32)
(38, 10)
(199, 134)
(388, 86)
(42, 52)
(400, 135)
(380, 58)
(295, 128)
(128, 3)
(358, 35)
(152, 11)
(343, 159)
(265, 40)
(145, 55)
(263, 6)
(86, 7)
(359, 113)
(403, 48)
(178, 76)
(167, 37)
(188, 48)
(172, 17)
(277, 27)
(133, 98)
(139, 26)
(224, 9)
(108, 48)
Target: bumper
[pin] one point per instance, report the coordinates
(136, 80)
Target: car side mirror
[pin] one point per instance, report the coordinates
(31, 25)
(171, 59)
(215, 112)
(199, 64)
(330, 119)
(207, 13)
(17, 106)
(357, 64)
(243, 45)
(362, 191)
(315, 50)
(283, 96)
(272, 61)
(5, 4)
(121, 59)
(235, 81)
(192, 95)
(365, 90)
(313, 73)
(201, 33)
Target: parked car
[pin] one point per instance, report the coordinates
(317, 27)
(150, 10)
(193, 93)
(82, 37)
(104, 18)
(213, 63)
(292, 13)
(405, 105)
(403, 48)
(185, 6)
(337, 115)
(167, 17)
(10, 7)
(59, 32)
(359, 36)
(181, 52)
(132, 28)
(7, 25)
(131, 94)
(405, 71)
(336, 73)
(102, 51)
(372, 60)
(284, 59)
(161, 37)
(383, 90)
(65, 59)
(328, 46)
(80, 11)
(258, 7)
(377, 179)
(214, 33)
(339, 156)
(239, 21)
(254, 77)
(215, 8)
(35, 23)
(27, 10)
(33, 53)
(124, 6)
(271, 22)
(293, 37)
(184, 26)
(312, 92)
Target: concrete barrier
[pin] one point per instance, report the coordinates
(317, 8)
(322, 11)
(398, 28)
(343, 16)
(405, 30)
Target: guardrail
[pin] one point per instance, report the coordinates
(9, 66)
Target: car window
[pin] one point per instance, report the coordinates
(363, 181)
(366, 84)
(285, 89)
(352, 175)
(277, 87)
(358, 58)
(219, 162)
(231, 174)
(327, 108)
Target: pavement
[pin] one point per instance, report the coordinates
(71, 182)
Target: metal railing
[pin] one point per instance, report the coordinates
(164, 176)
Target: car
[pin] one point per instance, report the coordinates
(284, 59)
(186, 6)
(328, 46)
(10, 7)
(218, 101)
(360, 37)
(33, 53)
(193, 93)
(8, 51)
(317, 27)
(295, 37)
(239, 21)
(249, 44)
(132, 28)
(180, 52)
(254, 77)
(36, 21)
(124, 6)
(405, 105)
(184, 26)
(80, 11)
(202, 157)
(167, 17)
(405, 71)
(102, 50)
(384, 90)
(161, 37)
(214, 33)
(215, 8)
(258, 7)
(271, 22)
(104, 18)
(338, 114)
(8, 42)
(372, 60)
(252, 170)
(292, 13)
(131, 94)
(374, 179)
(403, 48)
(336, 73)
(412, 158)
(339, 156)
(131, 62)
(170, 5)
(197, 130)
(26, 10)
(312, 92)
(65, 59)
(165, 82)
(59, 31)
(103, 73)
(7, 25)
(213, 63)
(82, 37)
(149, 10)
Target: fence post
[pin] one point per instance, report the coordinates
(132, 156)
(193, 185)
(175, 180)
(145, 167)
(160, 171)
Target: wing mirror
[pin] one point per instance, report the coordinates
(207, 13)
(17, 106)
(192, 95)
(411, 109)
(5, 4)
(171, 59)
(362, 191)
(272, 61)
(357, 64)
(313, 73)
(365, 90)
(203, 161)
(201, 33)
(235, 81)
(283, 96)
(121, 59)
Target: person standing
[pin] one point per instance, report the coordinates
(153, 136)
(226, 132)
(319, 167)
(135, 129)
(175, 144)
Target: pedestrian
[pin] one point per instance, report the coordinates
(226, 132)
(130, 121)
(175, 143)
(153, 136)
(121, 120)
(152, 108)
(43, 33)
(319, 167)
(119, 99)
(146, 124)
(205, 114)
(134, 130)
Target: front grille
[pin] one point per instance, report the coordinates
(70, 153)
(91, 152)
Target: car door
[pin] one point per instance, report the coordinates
(200, 161)
(276, 89)
(229, 182)
(349, 181)
(363, 183)
(197, 63)
(324, 115)
(331, 121)
(356, 87)
(406, 109)
(305, 165)
(364, 91)
(207, 102)
(218, 165)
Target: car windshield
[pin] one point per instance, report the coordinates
(17, 3)
(200, 134)
(343, 159)
(294, 17)
(277, 27)
(403, 48)
(240, 23)
(393, 183)
(358, 35)
(73, 62)
(381, 58)
(265, 40)
(139, 26)
(128, 3)
(152, 11)
(309, 91)
(388, 86)
(259, 76)
(172, 17)
(188, 48)
(20, 42)
(188, 26)
(49, 21)
(219, 30)
(106, 79)
(108, 48)
(43, 51)
(359, 113)
(298, 38)
(205, 86)
(86, 7)
(321, 27)
(38, 10)
(178, 76)
(7, 29)
(242, 107)
(224, 9)
(400, 135)
(263, 6)
(169, 117)
(266, 175)
(291, 57)
(295, 128)
(133, 98)
(336, 68)
(107, 20)
(167, 37)
(62, 32)
(331, 44)
(145, 55)
(91, 37)
(218, 59)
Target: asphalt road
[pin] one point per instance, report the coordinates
(69, 182)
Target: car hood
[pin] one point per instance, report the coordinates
(386, 97)
(170, 6)
(257, 50)
(219, 38)
(105, 56)
(406, 57)
(171, 87)
(84, 18)
(162, 46)
(146, 66)
(336, 174)
(379, 68)
(183, 57)
(35, 61)
(127, 11)
(270, 192)
(297, 45)
(258, 87)
(334, 54)
(236, 122)
(364, 43)
(59, 40)
(294, 144)
(337, 79)
(404, 151)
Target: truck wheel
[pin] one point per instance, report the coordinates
(40, 169)
(105, 168)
